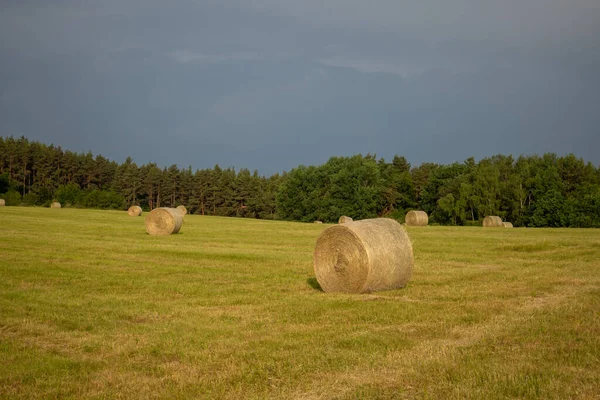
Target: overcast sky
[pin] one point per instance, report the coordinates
(272, 84)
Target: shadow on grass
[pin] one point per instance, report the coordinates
(313, 283)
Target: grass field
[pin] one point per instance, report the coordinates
(93, 307)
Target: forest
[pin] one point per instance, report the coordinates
(533, 190)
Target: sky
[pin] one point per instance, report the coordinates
(273, 84)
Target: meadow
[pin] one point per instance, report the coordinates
(91, 307)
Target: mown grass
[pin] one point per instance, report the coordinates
(93, 307)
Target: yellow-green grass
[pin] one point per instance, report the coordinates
(93, 307)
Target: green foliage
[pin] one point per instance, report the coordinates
(545, 190)
(12, 198)
(44, 196)
(398, 214)
(68, 195)
(443, 183)
(584, 207)
(4, 183)
(107, 200)
(295, 195)
(549, 210)
(343, 186)
(449, 208)
(398, 188)
(31, 199)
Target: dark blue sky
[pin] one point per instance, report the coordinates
(271, 84)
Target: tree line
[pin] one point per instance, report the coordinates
(548, 190)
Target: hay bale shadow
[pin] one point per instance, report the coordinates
(313, 283)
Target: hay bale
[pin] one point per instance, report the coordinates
(416, 218)
(2, 203)
(344, 219)
(55, 204)
(364, 256)
(507, 224)
(135, 211)
(492, 221)
(182, 209)
(164, 221)
(318, 222)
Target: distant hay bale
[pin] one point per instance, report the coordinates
(135, 211)
(344, 219)
(164, 221)
(507, 224)
(492, 221)
(182, 209)
(2, 203)
(364, 256)
(55, 204)
(318, 222)
(416, 218)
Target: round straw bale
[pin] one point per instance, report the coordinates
(364, 256)
(318, 222)
(55, 204)
(344, 219)
(507, 224)
(492, 221)
(182, 209)
(135, 211)
(2, 203)
(164, 221)
(416, 218)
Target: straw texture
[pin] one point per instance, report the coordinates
(507, 224)
(492, 221)
(135, 211)
(182, 209)
(55, 204)
(2, 203)
(344, 219)
(363, 256)
(163, 221)
(416, 218)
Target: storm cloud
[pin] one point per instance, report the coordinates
(272, 84)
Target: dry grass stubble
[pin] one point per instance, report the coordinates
(115, 313)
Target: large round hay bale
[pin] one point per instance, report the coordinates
(507, 224)
(55, 204)
(416, 218)
(318, 222)
(182, 209)
(364, 256)
(164, 221)
(344, 219)
(2, 203)
(492, 221)
(135, 211)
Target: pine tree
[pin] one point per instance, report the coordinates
(128, 181)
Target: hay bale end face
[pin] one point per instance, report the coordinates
(507, 224)
(164, 221)
(416, 218)
(135, 211)
(364, 256)
(344, 219)
(2, 203)
(492, 221)
(182, 209)
(55, 204)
